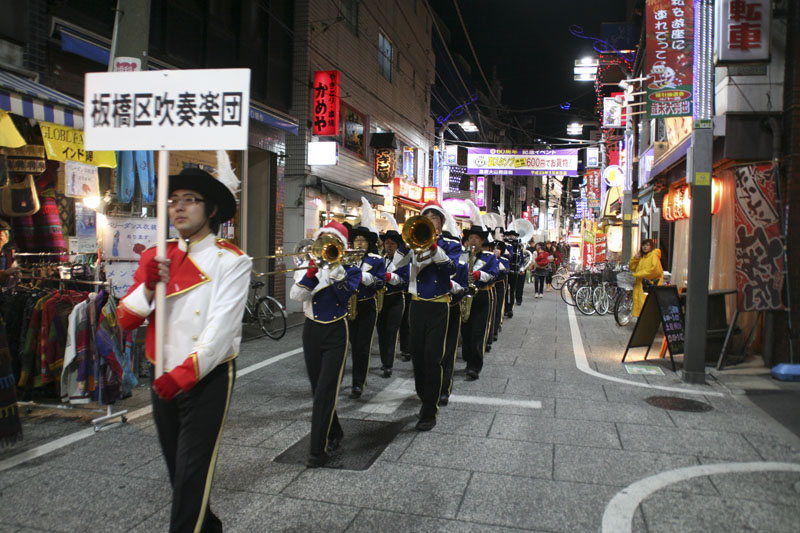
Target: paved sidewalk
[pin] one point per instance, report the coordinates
(545, 440)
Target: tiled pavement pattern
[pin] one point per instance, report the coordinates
(484, 468)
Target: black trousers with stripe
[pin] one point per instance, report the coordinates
(511, 290)
(500, 300)
(451, 348)
(473, 331)
(324, 349)
(361, 331)
(389, 325)
(428, 323)
(189, 430)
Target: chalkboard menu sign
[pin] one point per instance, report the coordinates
(662, 307)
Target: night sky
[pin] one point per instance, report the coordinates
(529, 43)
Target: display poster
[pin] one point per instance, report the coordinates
(85, 239)
(600, 248)
(80, 180)
(127, 237)
(120, 275)
(668, 64)
(492, 161)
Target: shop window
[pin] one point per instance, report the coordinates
(354, 126)
(385, 56)
(348, 10)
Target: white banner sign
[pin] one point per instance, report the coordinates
(167, 110)
(80, 180)
(741, 29)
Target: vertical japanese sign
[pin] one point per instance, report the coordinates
(80, 180)
(742, 30)
(480, 191)
(167, 110)
(326, 102)
(670, 31)
(593, 188)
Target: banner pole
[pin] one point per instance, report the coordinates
(161, 251)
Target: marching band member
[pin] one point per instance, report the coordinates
(325, 295)
(500, 284)
(429, 285)
(483, 270)
(514, 262)
(207, 283)
(373, 273)
(458, 289)
(391, 312)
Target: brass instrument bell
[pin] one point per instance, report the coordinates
(419, 233)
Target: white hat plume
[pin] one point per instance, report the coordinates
(225, 172)
(367, 216)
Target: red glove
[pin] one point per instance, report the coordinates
(434, 246)
(312, 271)
(151, 277)
(388, 277)
(166, 387)
(476, 275)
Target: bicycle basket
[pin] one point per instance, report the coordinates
(609, 275)
(625, 280)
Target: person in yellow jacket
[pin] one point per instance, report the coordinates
(646, 264)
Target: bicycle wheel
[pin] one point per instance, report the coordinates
(271, 317)
(600, 300)
(558, 281)
(583, 300)
(566, 292)
(623, 308)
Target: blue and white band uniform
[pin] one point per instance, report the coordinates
(326, 306)
(373, 276)
(430, 283)
(398, 281)
(486, 264)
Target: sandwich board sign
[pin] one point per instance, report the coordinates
(166, 110)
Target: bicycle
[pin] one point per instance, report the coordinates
(623, 306)
(561, 275)
(265, 311)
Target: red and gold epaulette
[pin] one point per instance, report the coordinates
(228, 245)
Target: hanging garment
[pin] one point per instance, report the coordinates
(73, 389)
(147, 176)
(125, 176)
(10, 426)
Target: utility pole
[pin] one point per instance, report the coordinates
(699, 166)
(131, 31)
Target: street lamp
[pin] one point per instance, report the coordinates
(585, 69)
(575, 128)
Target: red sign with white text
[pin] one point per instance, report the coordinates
(326, 102)
(600, 248)
(588, 254)
(407, 189)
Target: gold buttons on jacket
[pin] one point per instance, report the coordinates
(194, 337)
(197, 311)
(219, 254)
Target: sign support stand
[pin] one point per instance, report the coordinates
(161, 251)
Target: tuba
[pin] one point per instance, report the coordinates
(419, 233)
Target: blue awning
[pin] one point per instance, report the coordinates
(272, 119)
(83, 45)
(33, 100)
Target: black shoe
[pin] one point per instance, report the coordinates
(519, 302)
(494, 338)
(426, 424)
(509, 315)
(387, 372)
(355, 393)
(444, 399)
(488, 348)
(405, 356)
(471, 375)
(334, 443)
(317, 461)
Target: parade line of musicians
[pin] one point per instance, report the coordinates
(460, 282)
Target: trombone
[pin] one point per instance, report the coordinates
(327, 252)
(419, 233)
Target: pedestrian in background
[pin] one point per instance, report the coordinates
(541, 266)
(645, 265)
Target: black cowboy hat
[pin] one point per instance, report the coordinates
(500, 245)
(209, 187)
(392, 235)
(477, 230)
(365, 232)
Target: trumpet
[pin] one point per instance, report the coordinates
(327, 252)
(419, 233)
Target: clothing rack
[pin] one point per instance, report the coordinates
(100, 421)
(51, 254)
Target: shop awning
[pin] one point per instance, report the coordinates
(33, 100)
(344, 191)
(82, 44)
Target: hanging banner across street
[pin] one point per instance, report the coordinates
(167, 110)
(670, 31)
(513, 162)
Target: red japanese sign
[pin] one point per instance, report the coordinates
(600, 248)
(326, 102)
(593, 183)
(670, 32)
(429, 194)
(588, 254)
(742, 29)
(407, 189)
